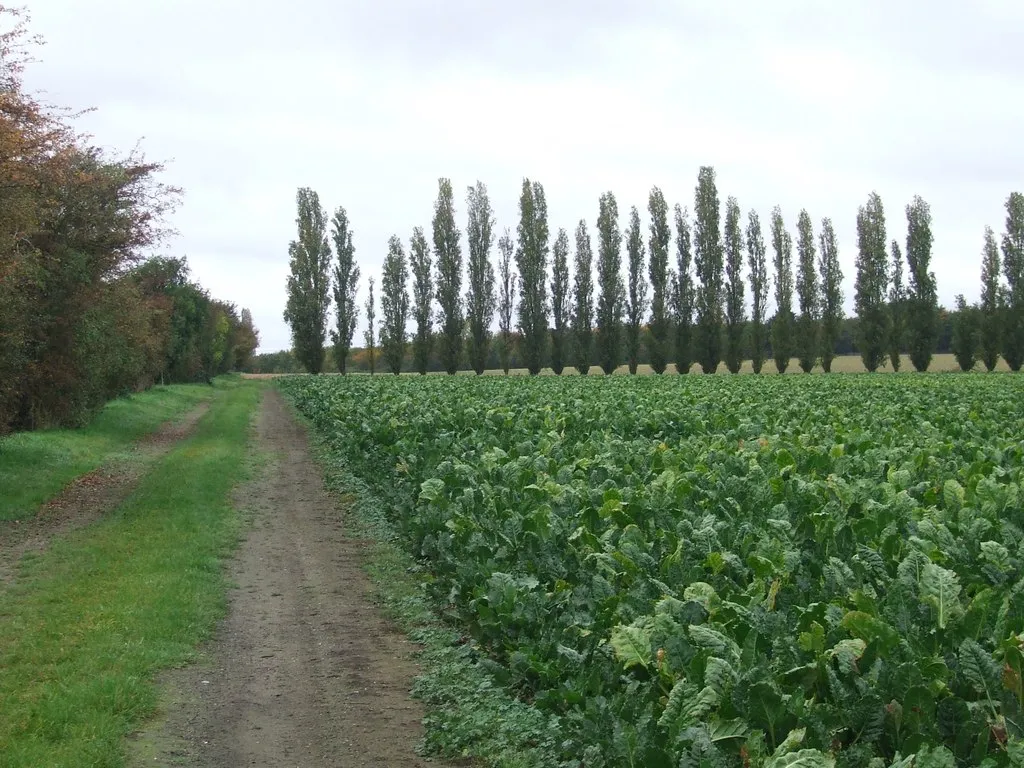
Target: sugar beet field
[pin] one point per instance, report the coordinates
(710, 571)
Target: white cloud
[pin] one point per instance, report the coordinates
(795, 103)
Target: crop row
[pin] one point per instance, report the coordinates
(718, 571)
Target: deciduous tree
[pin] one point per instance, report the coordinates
(346, 279)
(991, 309)
(759, 286)
(480, 301)
(532, 262)
(831, 294)
(612, 294)
(683, 292)
(658, 246)
(636, 298)
(423, 298)
(1013, 269)
(506, 297)
(783, 322)
(708, 262)
(965, 334)
(807, 335)
(448, 282)
(370, 334)
(583, 301)
(309, 281)
(735, 309)
(897, 304)
(922, 295)
(871, 283)
(394, 305)
(559, 300)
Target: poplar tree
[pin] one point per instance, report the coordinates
(922, 294)
(506, 297)
(609, 280)
(559, 300)
(708, 262)
(735, 310)
(807, 335)
(897, 302)
(831, 294)
(658, 245)
(480, 299)
(346, 280)
(448, 253)
(636, 299)
(783, 322)
(683, 293)
(1013, 269)
(532, 261)
(309, 282)
(991, 320)
(759, 286)
(871, 283)
(583, 301)
(369, 335)
(423, 299)
(394, 305)
(965, 334)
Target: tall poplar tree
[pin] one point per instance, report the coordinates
(897, 305)
(683, 292)
(480, 299)
(922, 298)
(346, 279)
(658, 272)
(559, 300)
(783, 322)
(759, 287)
(1013, 269)
(708, 261)
(309, 282)
(448, 255)
(532, 261)
(871, 283)
(423, 299)
(506, 297)
(807, 335)
(394, 305)
(583, 301)
(991, 321)
(636, 298)
(831, 294)
(370, 334)
(735, 309)
(964, 343)
(612, 295)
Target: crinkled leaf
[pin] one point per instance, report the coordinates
(979, 669)
(847, 652)
(934, 757)
(712, 640)
(432, 489)
(632, 645)
(940, 588)
(719, 675)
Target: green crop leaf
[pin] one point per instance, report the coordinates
(720, 675)
(431, 490)
(940, 588)
(804, 758)
(979, 669)
(869, 629)
(714, 641)
(847, 652)
(726, 730)
(953, 495)
(934, 757)
(632, 645)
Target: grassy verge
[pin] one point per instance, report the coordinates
(35, 465)
(469, 714)
(92, 619)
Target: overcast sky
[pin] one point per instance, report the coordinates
(795, 102)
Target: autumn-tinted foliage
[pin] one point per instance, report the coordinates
(83, 317)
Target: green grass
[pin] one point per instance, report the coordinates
(92, 619)
(36, 465)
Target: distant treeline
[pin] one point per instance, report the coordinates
(83, 316)
(695, 288)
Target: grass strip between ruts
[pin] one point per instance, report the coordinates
(92, 619)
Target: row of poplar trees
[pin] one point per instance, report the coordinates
(683, 291)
